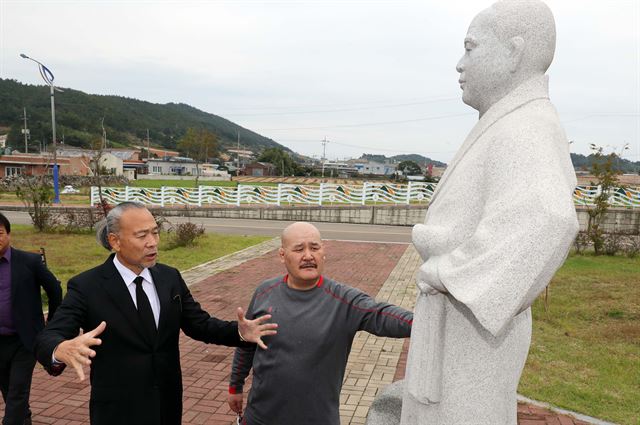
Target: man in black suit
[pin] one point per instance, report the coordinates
(22, 274)
(137, 308)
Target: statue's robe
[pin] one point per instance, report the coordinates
(500, 224)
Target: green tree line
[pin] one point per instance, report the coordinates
(79, 116)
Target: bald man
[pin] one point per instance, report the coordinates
(498, 227)
(298, 379)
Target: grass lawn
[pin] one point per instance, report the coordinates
(70, 254)
(585, 350)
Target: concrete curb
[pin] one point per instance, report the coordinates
(202, 271)
(579, 416)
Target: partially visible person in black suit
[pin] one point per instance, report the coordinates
(22, 274)
(132, 310)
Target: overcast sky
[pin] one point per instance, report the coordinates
(370, 76)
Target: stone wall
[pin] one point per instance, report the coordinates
(619, 220)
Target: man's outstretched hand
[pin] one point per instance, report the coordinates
(254, 330)
(77, 352)
(235, 402)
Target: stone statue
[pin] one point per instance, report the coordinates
(498, 227)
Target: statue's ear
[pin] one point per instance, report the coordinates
(516, 51)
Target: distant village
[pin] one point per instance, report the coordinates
(148, 162)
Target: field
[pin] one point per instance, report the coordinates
(69, 254)
(585, 351)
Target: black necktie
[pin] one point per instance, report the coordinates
(144, 310)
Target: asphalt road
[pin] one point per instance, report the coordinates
(337, 231)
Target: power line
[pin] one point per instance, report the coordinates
(370, 124)
(364, 108)
(351, 104)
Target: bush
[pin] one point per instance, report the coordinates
(77, 221)
(581, 243)
(612, 243)
(632, 247)
(37, 196)
(185, 234)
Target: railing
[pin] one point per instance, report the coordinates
(369, 193)
(628, 197)
(282, 194)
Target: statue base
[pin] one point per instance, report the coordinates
(387, 406)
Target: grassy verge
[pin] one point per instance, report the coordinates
(585, 351)
(70, 254)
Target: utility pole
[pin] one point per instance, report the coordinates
(238, 155)
(26, 133)
(104, 135)
(324, 153)
(148, 146)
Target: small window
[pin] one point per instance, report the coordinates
(13, 171)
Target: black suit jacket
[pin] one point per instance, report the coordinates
(28, 275)
(133, 380)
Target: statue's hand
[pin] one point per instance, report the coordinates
(428, 280)
(428, 289)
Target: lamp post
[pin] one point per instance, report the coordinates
(47, 76)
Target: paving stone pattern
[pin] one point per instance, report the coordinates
(384, 270)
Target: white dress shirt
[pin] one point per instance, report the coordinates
(147, 286)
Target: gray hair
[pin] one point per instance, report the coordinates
(111, 223)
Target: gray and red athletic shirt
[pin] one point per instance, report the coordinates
(297, 380)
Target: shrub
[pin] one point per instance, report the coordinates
(581, 243)
(185, 234)
(612, 243)
(632, 247)
(37, 196)
(77, 221)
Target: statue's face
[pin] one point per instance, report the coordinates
(484, 67)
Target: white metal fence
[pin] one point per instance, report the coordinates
(369, 193)
(282, 194)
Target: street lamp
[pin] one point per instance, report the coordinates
(47, 76)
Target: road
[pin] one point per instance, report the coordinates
(337, 231)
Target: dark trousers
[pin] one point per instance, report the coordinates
(16, 370)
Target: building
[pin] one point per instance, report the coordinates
(181, 166)
(111, 160)
(158, 153)
(38, 165)
(375, 168)
(260, 169)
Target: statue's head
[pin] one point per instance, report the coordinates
(506, 44)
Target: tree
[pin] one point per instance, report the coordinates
(36, 194)
(604, 169)
(199, 144)
(281, 160)
(409, 168)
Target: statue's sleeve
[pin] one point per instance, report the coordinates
(523, 232)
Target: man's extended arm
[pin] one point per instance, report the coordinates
(64, 325)
(378, 318)
(198, 324)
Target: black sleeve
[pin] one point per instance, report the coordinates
(51, 286)
(199, 325)
(64, 325)
(242, 359)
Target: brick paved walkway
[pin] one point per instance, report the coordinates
(384, 270)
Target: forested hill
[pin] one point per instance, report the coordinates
(418, 159)
(582, 162)
(79, 116)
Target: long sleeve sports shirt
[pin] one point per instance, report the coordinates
(297, 380)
